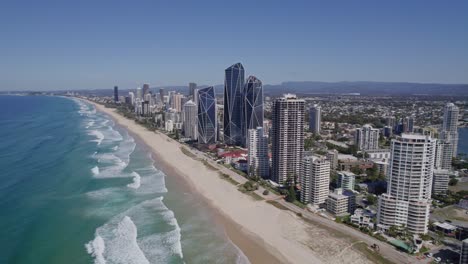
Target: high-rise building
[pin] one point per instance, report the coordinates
(233, 104)
(464, 252)
(315, 118)
(315, 179)
(440, 180)
(253, 105)
(161, 94)
(287, 138)
(258, 160)
(190, 120)
(206, 116)
(132, 97)
(367, 138)
(450, 126)
(444, 152)
(176, 101)
(116, 94)
(145, 89)
(409, 187)
(332, 156)
(138, 93)
(192, 88)
(346, 180)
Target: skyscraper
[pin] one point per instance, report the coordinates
(287, 138)
(116, 94)
(315, 179)
(253, 105)
(258, 160)
(176, 101)
(367, 138)
(190, 120)
(206, 116)
(449, 131)
(464, 252)
(409, 187)
(161, 94)
(233, 104)
(145, 89)
(315, 119)
(192, 88)
(138, 93)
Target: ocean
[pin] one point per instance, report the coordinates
(76, 188)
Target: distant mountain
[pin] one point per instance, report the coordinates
(367, 88)
(325, 88)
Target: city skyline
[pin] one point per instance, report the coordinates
(76, 47)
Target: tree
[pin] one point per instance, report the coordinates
(371, 199)
(291, 194)
(453, 182)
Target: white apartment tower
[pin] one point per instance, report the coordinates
(190, 120)
(449, 131)
(258, 160)
(315, 119)
(367, 138)
(409, 187)
(315, 179)
(287, 138)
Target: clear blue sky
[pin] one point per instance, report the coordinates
(51, 45)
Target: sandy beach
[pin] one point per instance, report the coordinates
(265, 233)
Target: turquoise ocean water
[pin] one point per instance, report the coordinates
(75, 188)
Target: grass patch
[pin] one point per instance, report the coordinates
(277, 205)
(256, 196)
(188, 153)
(209, 166)
(299, 204)
(370, 254)
(228, 178)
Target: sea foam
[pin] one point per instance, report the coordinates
(136, 181)
(117, 243)
(99, 136)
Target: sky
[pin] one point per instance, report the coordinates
(58, 45)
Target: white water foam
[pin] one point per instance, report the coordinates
(99, 136)
(122, 245)
(120, 242)
(136, 181)
(95, 170)
(96, 249)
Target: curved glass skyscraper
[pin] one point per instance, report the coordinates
(253, 105)
(233, 104)
(206, 116)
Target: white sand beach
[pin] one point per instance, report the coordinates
(263, 232)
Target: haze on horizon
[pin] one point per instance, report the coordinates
(49, 45)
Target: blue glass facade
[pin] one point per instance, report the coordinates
(253, 105)
(206, 116)
(233, 104)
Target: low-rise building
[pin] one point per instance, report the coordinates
(341, 202)
(363, 218)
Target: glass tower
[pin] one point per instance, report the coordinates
(253, 105)
(206, 116)
(233, 104)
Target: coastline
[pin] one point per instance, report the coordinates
(264, 233)
(252, 246)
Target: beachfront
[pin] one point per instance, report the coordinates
(279, 233)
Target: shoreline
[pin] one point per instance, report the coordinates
(263, 232)
(251, 246)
